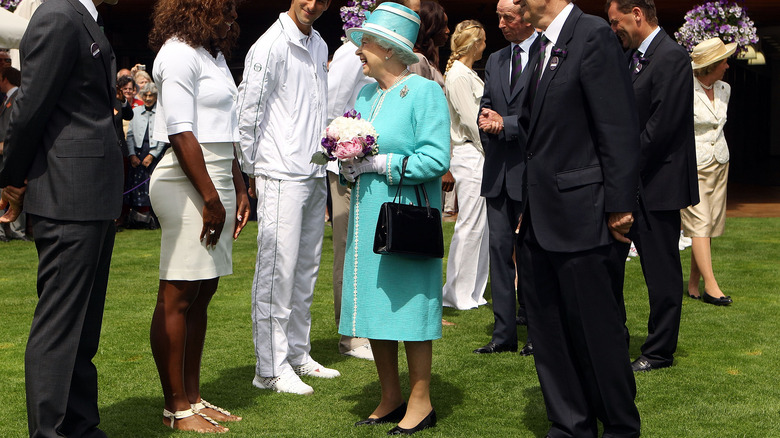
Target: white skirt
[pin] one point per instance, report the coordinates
(179, 209)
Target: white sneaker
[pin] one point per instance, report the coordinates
(287, 381)
(362, 352)
(312, 368)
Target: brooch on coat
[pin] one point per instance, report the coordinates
(640, 63)
(404, 91)
(558, 55)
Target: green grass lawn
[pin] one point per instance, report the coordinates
(723, 384)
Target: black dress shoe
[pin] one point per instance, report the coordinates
(695, 297)
(428, 421)
(642, 364)
(722, 301)
(527, 350)
(393, 417)
(492, 347)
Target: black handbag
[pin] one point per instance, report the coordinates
(407, 229)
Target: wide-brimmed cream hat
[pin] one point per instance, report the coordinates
(710, 51)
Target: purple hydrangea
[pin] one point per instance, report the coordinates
(724, 19)
(10, 4)
(354, 13)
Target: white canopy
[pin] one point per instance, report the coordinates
(12, 28)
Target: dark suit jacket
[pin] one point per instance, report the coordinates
(663, 88)
(61, 137)
(503, 152)
(5, 114)
(583, 138)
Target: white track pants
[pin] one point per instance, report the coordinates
(290, 226)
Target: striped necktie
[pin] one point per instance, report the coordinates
(517, 67)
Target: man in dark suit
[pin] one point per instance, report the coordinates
(502, 174)
(581, 185)
(63, 164)
(10, 78)
(663, 87)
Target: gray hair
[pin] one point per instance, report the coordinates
(149, 87)
(405, 57)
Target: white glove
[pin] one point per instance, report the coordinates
(374, 163)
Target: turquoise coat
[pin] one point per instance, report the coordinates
(395, 297)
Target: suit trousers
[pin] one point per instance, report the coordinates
(502, 215)
(580, 352)
(290, 225)
(468, 260)
(60, 378)
(340, 195)
(656, 237)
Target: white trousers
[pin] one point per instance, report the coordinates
(468, 262)
(290, 226)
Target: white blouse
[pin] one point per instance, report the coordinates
(709, 118)
(196, 93)
(464, 89)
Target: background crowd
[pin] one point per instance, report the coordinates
(546, 213)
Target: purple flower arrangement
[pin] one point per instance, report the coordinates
(725, 19)
(347, 138)
(354, 13)
(10, 4)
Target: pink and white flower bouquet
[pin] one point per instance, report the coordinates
(347, 138)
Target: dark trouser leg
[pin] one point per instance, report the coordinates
(580, 351)
(60, 378)
(660, 256)
(502, 214)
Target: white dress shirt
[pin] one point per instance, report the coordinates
(464, 89)
(553, 31)
(90, 5)
(196, 93)
(642, 49)
(282, 106)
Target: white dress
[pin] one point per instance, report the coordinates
(197, 94)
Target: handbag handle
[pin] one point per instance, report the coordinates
(416, 190)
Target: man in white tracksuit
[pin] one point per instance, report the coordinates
(282, 113)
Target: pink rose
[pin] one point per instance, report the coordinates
(349, 149)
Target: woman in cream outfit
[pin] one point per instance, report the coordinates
(468, 260)
(197, 191)
(707, 219)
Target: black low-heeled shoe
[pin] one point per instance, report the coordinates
(720, 301)
(393, 417)
(695, 297)
(427, 422)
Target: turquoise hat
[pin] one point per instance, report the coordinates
(390, 22)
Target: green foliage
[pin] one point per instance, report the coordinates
(722, 384)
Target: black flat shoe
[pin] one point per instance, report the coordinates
(393, 417)
(695, 297)
(527, 350)
(429, 421)
(722, 301)
(492, 347)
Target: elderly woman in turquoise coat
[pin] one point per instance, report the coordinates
(391, 298)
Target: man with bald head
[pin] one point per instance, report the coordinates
(503, 172)
(63, 166)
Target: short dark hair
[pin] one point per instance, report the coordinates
(625, 6)
(13, 75)
(124, 80)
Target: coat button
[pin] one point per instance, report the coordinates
(530, 155)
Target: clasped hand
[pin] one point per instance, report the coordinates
(490, 121)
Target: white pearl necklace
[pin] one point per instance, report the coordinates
(377, 106)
